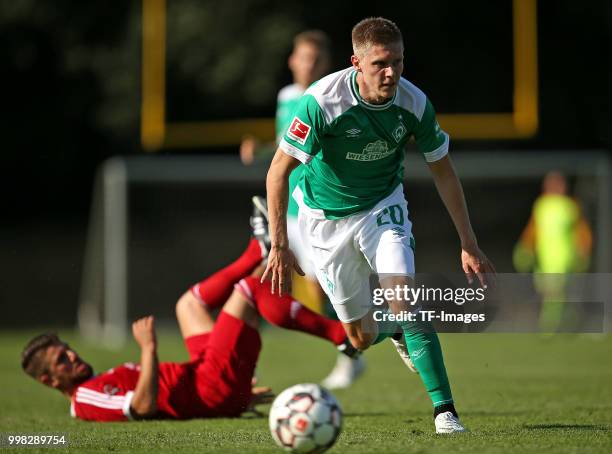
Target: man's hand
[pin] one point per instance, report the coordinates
(475, 262)
(144, 401)
(144, 332)
(281, 263)
(247, 150)
(260, 395)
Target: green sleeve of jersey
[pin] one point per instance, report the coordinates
(302, 137)
(431, 140)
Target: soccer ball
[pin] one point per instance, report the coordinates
(305, 418)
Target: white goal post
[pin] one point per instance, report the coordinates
(103, 305)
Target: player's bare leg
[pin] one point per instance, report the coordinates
(399, 341)
(346, 369)
(367, 331)
(363, 332)
(193, 317)
(258, 272)
(239, 307)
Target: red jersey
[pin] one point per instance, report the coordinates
(107, 396)
(216, 382)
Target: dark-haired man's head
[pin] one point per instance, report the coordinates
(49, 360)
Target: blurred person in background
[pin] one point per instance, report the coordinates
(556, 241)
(308, 62)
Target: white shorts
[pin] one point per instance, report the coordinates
(346, 252)
(299, 249)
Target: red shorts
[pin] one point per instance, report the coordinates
(224, 363)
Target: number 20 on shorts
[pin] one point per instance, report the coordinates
(391, 214)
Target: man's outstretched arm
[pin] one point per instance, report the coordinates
(281, 261)
(473, 260)
(144, 401)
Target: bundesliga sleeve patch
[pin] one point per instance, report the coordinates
(298, 131)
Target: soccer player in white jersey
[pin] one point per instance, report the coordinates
(308, 62)
(351, 129)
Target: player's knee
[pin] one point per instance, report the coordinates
(186, 303)
(258, 271)
(361, 341)
(239, 307)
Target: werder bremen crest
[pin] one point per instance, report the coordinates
(399, 132)
(372, 152)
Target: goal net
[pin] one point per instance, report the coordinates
(159, 224)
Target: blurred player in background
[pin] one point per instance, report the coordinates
(215, 382)
(557, 240)
(351, 127)
(308, 62)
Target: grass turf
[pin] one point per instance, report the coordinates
(519, 393)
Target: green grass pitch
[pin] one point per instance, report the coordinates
(519, 393)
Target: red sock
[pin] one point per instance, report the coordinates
(287, 313)
(215, 290)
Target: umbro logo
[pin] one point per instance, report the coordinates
(353, 132)
(416, 354)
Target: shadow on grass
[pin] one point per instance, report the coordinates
(252, 415)
(566, 427)
(494, 413)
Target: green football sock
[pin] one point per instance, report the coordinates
(426, 354)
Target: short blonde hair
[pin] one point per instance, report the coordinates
(374, 30)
